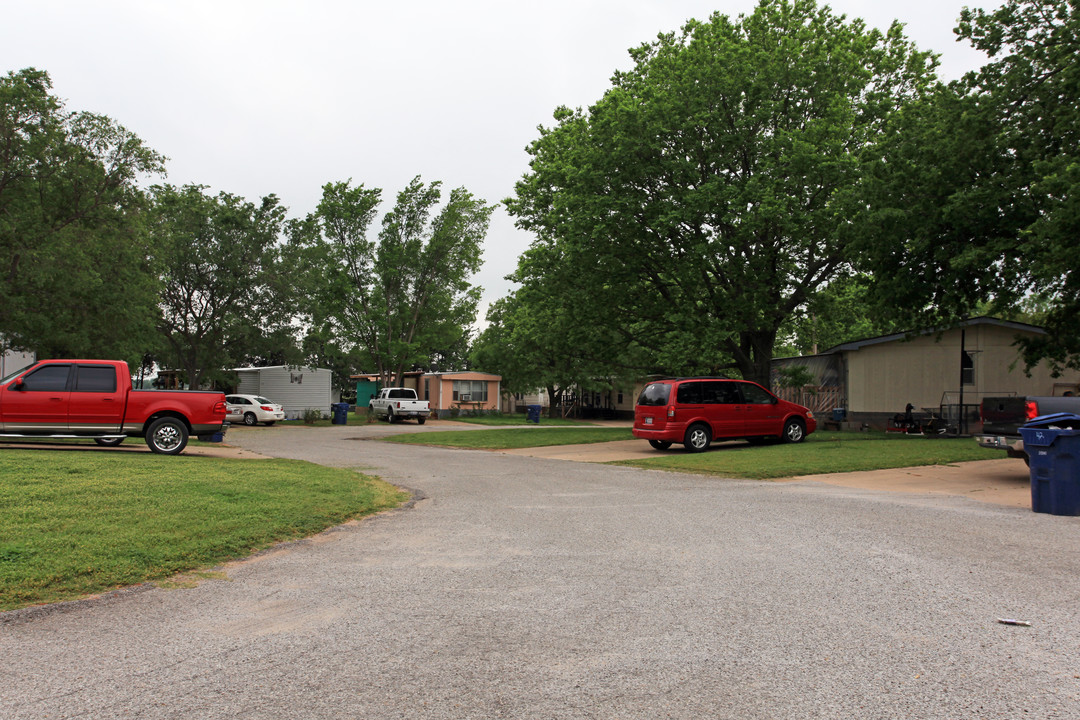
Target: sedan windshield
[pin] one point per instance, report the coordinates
(655, 394)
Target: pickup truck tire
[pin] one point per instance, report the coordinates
(420, 420)
(108, 442)
(167, 436)
(250, 420)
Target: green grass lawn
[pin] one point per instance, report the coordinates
(74, 523)
(822, 452)
(495, 420)
(509, 438)
(518, 419)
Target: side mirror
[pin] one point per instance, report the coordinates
(18, 386)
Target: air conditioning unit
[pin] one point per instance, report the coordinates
(465, 398)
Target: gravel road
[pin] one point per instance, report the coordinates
(520, 587)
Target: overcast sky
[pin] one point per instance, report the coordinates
(255, 97)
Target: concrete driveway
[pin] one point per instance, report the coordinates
(1003, 481)
(524, 587)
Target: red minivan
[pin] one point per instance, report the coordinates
(695, 411)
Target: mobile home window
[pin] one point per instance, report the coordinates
(475, 389)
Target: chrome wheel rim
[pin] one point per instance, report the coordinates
(167, 437)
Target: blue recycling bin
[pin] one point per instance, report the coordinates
(838, 414)
(533, 415)
(340, 413)
(1053, 449)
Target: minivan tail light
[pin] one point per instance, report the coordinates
(670, 412)
(1032, 410)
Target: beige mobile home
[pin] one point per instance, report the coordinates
(875, 378)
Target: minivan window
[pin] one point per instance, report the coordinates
(720, 392)
(689, 393)
(756, 395)
(656, 394)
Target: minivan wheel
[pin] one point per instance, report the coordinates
(794, 431)
(697, 438)
(660, 444)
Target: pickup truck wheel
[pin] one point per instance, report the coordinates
(109, 442)
(167, 436)
(250, 420)
(420, 420)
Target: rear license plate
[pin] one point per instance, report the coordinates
(648, 421)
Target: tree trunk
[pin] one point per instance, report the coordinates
(754, 355)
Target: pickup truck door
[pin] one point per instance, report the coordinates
(38, 402)
(95, 404)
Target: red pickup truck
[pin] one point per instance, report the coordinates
(94, 399)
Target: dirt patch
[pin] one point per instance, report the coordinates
(136, 445)
(1002, 482)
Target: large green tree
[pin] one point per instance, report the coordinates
(222, 283)
(703, 199)
(838, 313)
(979, 201)
(76, 277)
(533, 341)
(403, 300)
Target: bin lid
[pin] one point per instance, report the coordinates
(1061, 420)
(1045, 437)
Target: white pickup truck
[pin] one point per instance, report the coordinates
(395, 404)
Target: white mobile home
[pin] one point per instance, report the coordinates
(297, 389)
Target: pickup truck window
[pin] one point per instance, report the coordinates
(51, 378)
(96, 378)
(402, 394)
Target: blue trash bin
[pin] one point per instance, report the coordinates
(533, 414)
(1053, 450)
(838, 414)
(340, 412)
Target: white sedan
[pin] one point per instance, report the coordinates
(252, 410)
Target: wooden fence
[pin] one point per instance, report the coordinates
(819, 399)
